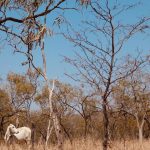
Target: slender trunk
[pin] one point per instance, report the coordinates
(140, 125)
(111, 66)
(53, 114)
(1, 127)
(33, 135)
(48, 135)
(50, 113)
(58, 131)
(140, 135)
(55, 120)
(148, 125)
(17, 121)
(49, 131)
(85, 128)
(106, 124)
(67, 133)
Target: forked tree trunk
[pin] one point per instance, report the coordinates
(53, 114)
(140, 124)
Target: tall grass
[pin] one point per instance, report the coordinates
(89, 144)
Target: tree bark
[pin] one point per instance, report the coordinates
(106, 124)
(53, 114)
(58, 131)
(1, 126)
(140, 135)
(140, 128)
(85, 128)
(33, 135)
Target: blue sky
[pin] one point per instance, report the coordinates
(56, 46)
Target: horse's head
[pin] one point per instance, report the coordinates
(11, 129)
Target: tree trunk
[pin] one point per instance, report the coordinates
(1, 127)
(58, 131)
(140, 124)
(85, 128)
(17, 121)
(67, 133)
(33, 135)
(106, 124)
(53, 114)
(141, 135)
(49, 131)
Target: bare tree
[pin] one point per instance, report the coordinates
(99, 44)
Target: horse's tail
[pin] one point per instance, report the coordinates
(33, 135)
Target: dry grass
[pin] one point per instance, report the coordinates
(88, 145)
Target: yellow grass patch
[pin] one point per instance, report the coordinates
(87, 145)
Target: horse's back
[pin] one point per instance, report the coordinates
(25, 128)
(24, 133)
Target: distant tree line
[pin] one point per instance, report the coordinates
(80, 114)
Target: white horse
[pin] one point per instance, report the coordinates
(22, 133)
